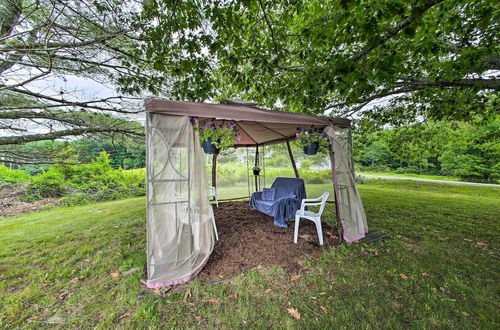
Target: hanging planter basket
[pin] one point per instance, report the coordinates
(209, 147)
(256, 172)
(311, 148)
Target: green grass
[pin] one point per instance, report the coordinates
(57, 269)
(411, 175)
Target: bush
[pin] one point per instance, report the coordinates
(47, 185)
(407, 170)
(79, 184)
(12, 176)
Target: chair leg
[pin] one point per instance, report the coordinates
(319, 230)
(296, 231)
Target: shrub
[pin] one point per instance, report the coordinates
(12, 176)
(45, 185)
(79, 184)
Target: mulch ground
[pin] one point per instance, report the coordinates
(12, 204)
(248, 239)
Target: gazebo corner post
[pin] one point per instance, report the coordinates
(336, 193)
(148, 181)
(214, 170)
(292, 160)
(256, 164)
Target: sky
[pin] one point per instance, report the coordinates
(69, 83)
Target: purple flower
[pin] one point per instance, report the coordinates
(192, 120)
(300, 129)
(232, 123)
(238, 140)
(212, 125)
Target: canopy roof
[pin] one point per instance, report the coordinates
(257, 126)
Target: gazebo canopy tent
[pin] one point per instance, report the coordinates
(180, 233)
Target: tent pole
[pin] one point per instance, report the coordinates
(351, 162)
(248, 175)
(292, 159)
(336, 192)
(214, 170)
(256, 164)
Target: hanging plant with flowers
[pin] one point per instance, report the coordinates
(220, 136)
(312, 140)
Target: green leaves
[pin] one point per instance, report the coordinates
(335, 54)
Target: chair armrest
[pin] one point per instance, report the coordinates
(312, 199)
(309, 202)
(312, 204)
(257, 194)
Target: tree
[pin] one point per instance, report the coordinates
(43, 42)
(392, 61)
(474, 154)
(418, 142)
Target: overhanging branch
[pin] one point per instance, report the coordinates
(419, 84)
(60, 134)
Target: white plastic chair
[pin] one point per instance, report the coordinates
(314, 217)
(212, 193)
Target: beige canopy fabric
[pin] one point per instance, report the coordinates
(180, 221)
(349, 206)
(257, 126)
(180, 232)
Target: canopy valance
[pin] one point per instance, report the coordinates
(257, 126)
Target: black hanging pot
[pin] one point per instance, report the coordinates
(256, 172)
(209, 148)
(311, 148)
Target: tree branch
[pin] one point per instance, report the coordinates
(398, 28)
(60, 45)
(87, 104)
(270, 28)
(415, 85)
(461, 83)
(60, 134)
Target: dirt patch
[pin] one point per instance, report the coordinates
(11, 203)
(248, 238)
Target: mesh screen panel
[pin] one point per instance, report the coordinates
(179, 217)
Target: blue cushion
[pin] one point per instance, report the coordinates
(268, 194)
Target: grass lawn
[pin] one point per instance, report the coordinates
(411, 175)
(80, 267)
